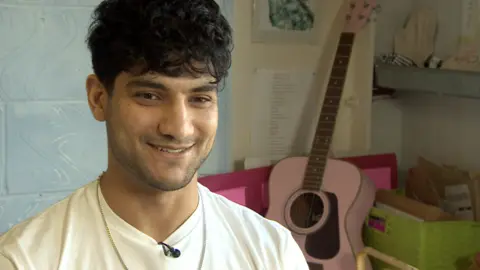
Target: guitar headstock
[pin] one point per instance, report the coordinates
(359, 13)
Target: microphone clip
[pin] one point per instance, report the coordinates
(170, 251)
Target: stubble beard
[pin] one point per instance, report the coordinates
(162, 185)
(129, 161)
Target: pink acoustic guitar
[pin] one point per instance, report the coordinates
(323, 201)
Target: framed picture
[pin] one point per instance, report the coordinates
(285, 21)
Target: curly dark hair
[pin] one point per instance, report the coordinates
(170, 37)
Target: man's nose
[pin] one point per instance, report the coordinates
(176, 121)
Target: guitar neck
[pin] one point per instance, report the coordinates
(328, 115)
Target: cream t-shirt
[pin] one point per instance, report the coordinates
(70, 235)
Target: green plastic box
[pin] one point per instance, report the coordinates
(426, 245)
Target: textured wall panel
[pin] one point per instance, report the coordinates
(55, 3)
(44, 56)
(2, 149)
(52, 146)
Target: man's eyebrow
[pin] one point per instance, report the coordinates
(205, 88)
(158, 85)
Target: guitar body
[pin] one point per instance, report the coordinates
(342, 204)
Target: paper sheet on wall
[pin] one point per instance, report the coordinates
(467, 56)
(470, 21)
(278, 101)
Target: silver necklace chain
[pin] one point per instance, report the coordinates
(107, 229)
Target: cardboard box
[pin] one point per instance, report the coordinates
(421, 235)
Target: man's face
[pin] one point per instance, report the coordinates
(160, 129)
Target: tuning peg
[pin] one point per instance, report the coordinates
(361, 17)
(366, 5)
(352, 5)
(348, 17)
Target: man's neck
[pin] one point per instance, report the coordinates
(155, 213)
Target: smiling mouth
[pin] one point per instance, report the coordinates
(176, 150)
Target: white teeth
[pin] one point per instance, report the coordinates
(170, 150)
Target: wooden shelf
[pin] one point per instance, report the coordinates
(428, 80)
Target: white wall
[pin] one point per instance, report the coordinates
(387, 127)
(443, 129)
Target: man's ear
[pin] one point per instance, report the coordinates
(97, 97)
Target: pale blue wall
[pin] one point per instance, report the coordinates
(49, 142)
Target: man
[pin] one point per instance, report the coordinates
(158, 65)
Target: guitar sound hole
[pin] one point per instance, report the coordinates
(306, 210)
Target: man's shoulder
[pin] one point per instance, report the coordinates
(267, 240)
(41, 226)
(241, 216)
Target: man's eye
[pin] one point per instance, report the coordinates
(149, 96)
(200, 99)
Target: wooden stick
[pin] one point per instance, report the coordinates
(361, 258)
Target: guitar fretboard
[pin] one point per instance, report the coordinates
(326, 122)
